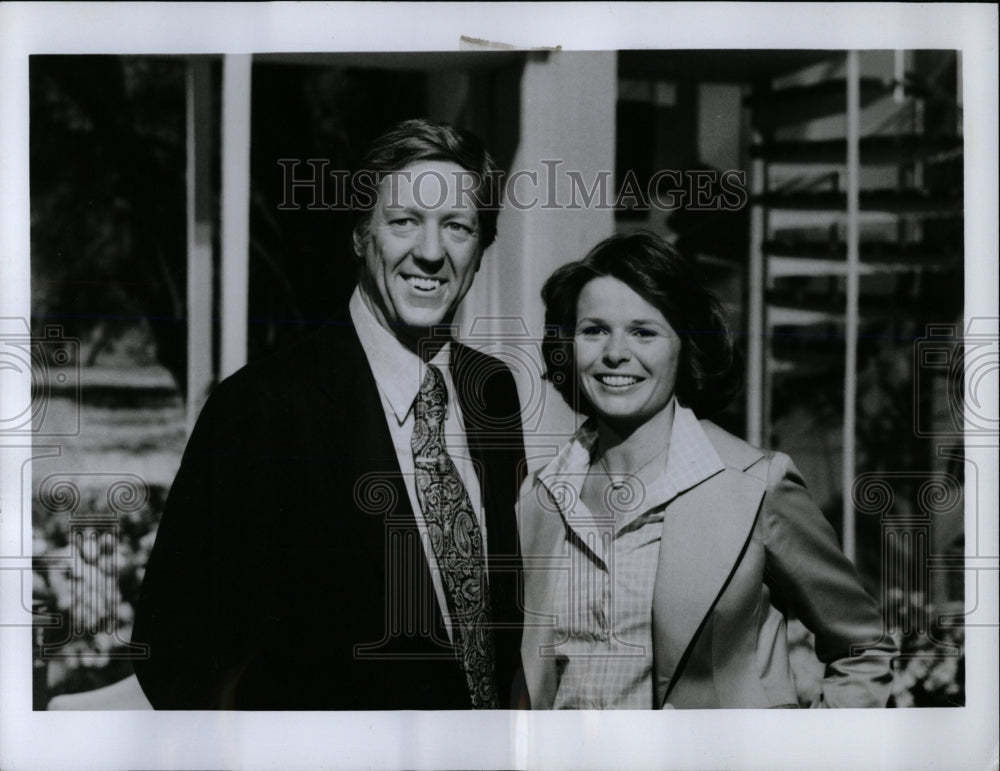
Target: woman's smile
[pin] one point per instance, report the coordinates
(619, 382)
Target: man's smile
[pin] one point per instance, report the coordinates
(424, 283)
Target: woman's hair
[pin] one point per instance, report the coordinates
(426, 140)
(708, 376)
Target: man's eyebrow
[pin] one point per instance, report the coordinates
(465, 211)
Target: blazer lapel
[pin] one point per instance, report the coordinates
(347, 378)
(470, 407)
(492, 432)
(492, 418)
(704, 533)
(371, 469)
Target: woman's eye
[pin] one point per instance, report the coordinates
(643, 332)
(591, 330)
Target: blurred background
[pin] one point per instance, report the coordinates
(179, 230)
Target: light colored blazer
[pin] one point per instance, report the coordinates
(737, 552)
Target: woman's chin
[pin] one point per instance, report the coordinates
(622, 417)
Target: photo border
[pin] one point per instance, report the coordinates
(946, 738)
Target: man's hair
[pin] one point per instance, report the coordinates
(708, 376)
(420, 139)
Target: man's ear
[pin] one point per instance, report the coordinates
(359, 240)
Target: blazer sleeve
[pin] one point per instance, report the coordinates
(808, 570)
(197, 603)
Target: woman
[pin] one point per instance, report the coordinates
(662, 554)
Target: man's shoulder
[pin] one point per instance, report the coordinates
(480, 376)
(305, 355)
(467, 358)
(488, 393)
(288, 373)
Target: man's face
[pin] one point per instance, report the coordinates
(422, 248)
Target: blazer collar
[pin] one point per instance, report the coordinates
(692, 458)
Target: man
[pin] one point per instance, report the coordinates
(341, 531)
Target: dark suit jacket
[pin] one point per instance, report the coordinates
(737, 553)
(287, 571)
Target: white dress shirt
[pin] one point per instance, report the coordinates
(398, 374)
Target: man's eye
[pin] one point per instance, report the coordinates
(459, 227)
(402, 222)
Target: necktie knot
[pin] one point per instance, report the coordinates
(432, 398)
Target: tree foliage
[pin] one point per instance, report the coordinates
(108, 194)
(107, 199)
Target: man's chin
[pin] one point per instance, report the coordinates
(425, 320)
(414, 330)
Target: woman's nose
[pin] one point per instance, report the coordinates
(616, 349)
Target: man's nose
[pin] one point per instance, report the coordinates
(430, 246)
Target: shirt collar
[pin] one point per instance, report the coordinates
(397, 370)
(691, 459)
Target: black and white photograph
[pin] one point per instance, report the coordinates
(523, 393)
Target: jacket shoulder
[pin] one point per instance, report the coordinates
(735, 452)
(282, 381)
(488, 393)
(478, 362)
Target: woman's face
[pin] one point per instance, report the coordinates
(627, 354)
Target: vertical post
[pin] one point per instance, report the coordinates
(898, 75)
(756, 322)
(199, 236)
(853, 289)
(539, 231)
(236, 69)
(39, 664)
(959, 128)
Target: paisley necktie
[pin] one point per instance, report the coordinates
(455, 539)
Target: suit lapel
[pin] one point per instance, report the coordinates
(488, 437)
(469, 404)
(347, 378)
(704, 533)
(370, 467)
(492, 419)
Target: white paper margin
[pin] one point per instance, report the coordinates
(883, 739)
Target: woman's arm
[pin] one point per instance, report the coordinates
(808, 570)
